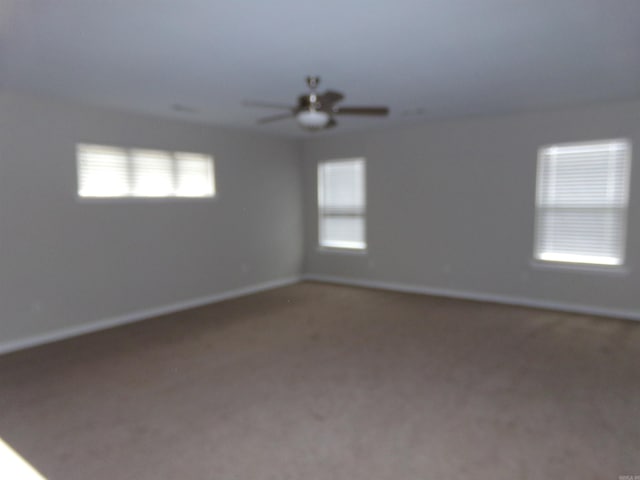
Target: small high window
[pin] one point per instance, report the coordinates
(105, 171)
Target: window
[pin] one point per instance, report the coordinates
(581, 202)
(341, 204)
(105, 171)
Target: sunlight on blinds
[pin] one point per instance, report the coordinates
(581, 203)
(342, 203)
(102, 171)
(152, 173)
(194, 177)
(105, 171)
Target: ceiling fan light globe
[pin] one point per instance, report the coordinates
(313, 119)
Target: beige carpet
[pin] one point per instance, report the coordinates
(315, 381)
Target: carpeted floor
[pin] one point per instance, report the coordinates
(315, 381)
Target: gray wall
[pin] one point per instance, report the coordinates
(65, 262)
(451, 206)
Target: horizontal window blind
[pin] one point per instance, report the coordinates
(102, 171)
(581, 202)
(194, 175)
(105, 171)
(342, 203)
(152, 173)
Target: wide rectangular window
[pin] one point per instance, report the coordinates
(342, 204)
(581, 202)
(105, 171)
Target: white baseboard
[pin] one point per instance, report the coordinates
(144, 314)
(483, 297)
(138, 315)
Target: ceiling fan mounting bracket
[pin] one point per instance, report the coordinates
(313, 82)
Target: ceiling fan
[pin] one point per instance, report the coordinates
(316, 111)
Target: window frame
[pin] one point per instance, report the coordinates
(350, 250)
(130, 153)
(547, 264)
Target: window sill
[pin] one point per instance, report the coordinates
(615, 270)
(144, 200)
(343, 251)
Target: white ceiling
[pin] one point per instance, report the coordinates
(449, 57)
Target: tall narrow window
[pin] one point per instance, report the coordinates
(342, 204)
(581, 202)
(105, 171)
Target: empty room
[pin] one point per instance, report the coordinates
(359, 240)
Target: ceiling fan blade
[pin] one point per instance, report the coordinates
(275, 118)
(253, 103)
(330, 97)
(379, 111)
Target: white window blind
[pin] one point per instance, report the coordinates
(152, 173)
(342, 203)
(105, 171)
(581, 202)
(102, 171)
(194, 175)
